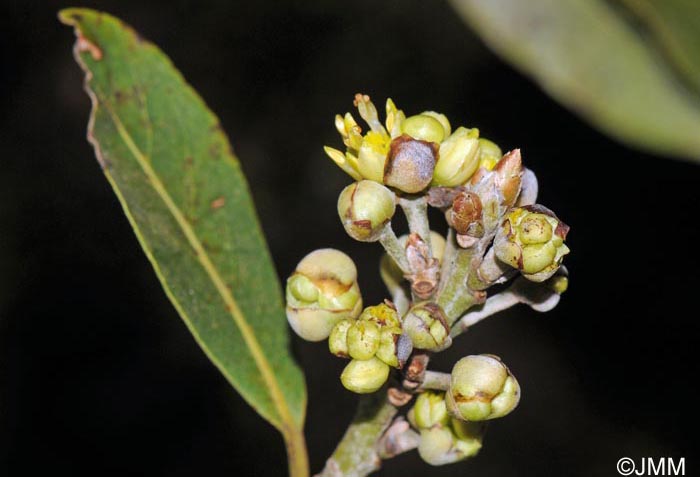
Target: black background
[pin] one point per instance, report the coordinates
(99, 376)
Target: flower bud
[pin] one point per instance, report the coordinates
(322, 291)
(425, 127)
(364, 208)
(338, 339)
(364, 376)
(436, 446)
(489, 154)
(469, 436)
(389, 347)
(443, 445)
(426, 325)
(458, 158)
(444, 122)
(429, 410)
(382, 315)
(363, 339)
(481, 388)
(531, 239)
(411, 163)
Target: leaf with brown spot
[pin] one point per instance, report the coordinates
(193, 216)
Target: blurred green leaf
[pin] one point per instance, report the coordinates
(631, 68)
(172, 167)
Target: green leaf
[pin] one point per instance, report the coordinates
(631, 68)
(169, 162)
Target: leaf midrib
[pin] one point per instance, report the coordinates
(231, 305)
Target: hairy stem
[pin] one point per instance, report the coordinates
(493, 305)
(454, 296)
(357, 454)
(416, 211)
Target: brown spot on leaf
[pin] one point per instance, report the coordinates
(218, 203)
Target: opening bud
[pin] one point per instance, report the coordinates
(364, 376)
(322, 291)
(458, 158)
(365, 208)
(426, 325)
(382, 314)
(481, 388)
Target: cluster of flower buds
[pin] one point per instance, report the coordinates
(444, 439)
(495, 231)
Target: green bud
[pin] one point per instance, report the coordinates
(430, 410)
(534, 229)
(436, 446)
(338, 339)
(411, 163)
(364, 376)
(363, 339)
(302, 288)
(441, 445)
(388, 350)
(426, 325)
(469, 436)
(365, 208)
(559, 284)
(458, 158)
(382, 315)
(489, 154)
(537, 257)
(424, 127)
(481, 388)
(531, 239)
(444, 122)
(322, 291)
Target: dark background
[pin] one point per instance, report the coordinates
(99, 376)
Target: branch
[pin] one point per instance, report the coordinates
(436, 380)
(416, 211)
(540, 297)
(358, 454)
